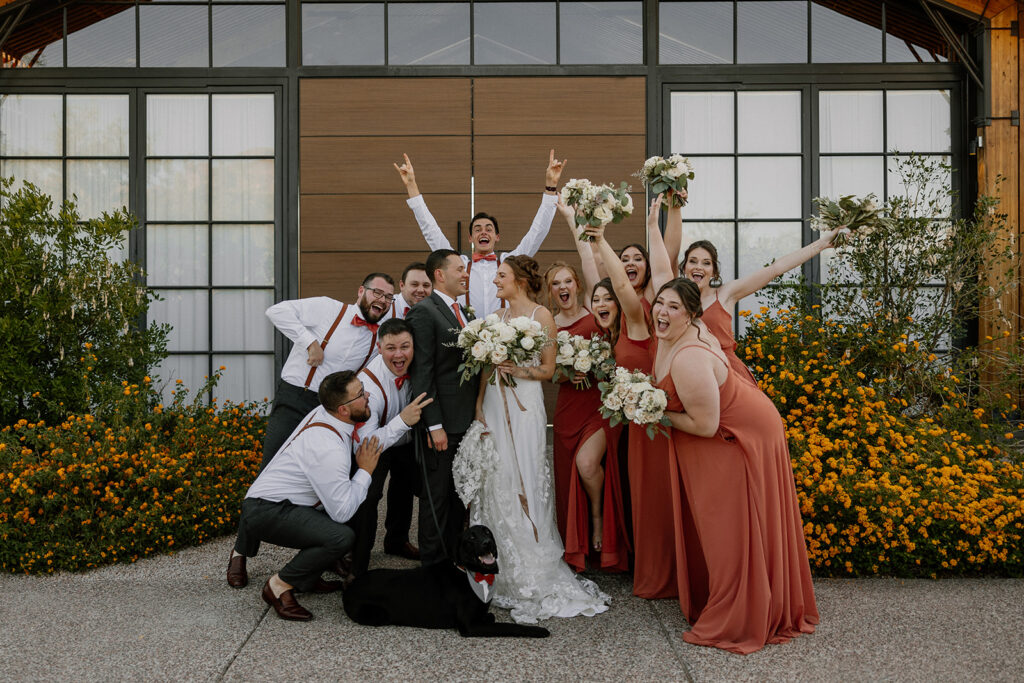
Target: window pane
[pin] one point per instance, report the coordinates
(428, 33)
(98, 125)
(761, 243)
(243, 125)
(769, 187)
(99, 185)
(39, 48)
(918, 121)
(191, 370)
(248, 35)
(514, 32)
(243, 255)
(176, 255)
(106, 36)
(930, 199)
(771, 32)
(861, 176)
(240, 322)
(30, 125)
(343, 34)
(722, 236)
(850, 121)
(247, 377)
(695, 32)
(45, 175)
(177, 189)
(177, 125)
(769, 121)
(187, 311)
(702, 123)
(173, 36)
(911, 36)
(243, 189)
(712, 190)
(852, 32)
(601, 33)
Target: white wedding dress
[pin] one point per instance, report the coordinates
(533, 581)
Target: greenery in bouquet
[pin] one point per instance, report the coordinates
(630, 396)
(668, 177)
(575, 353)
(597, 205)
(848, 215)
(486, 342)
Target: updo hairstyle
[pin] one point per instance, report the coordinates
(527, 273)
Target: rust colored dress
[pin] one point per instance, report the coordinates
(654, 573)
(719, 321)
(743, 575)
(577, 418)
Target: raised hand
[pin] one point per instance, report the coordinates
(408, 176)
(568, 212)
(368, 454)
(596, 232)
(655, 211)
(554, 170)
(411, 413)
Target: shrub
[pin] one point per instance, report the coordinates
(88, 491)
(69, 312)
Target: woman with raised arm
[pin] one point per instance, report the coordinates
(650, 495)
(589, 503)
(700, 264)
(742, 570)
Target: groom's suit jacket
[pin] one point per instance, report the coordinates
(435, 366)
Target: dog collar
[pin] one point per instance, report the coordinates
(482, 587)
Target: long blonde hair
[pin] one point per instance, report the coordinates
(549, 276)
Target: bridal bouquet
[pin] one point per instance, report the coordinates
(485, 342)
(597, 205)
(659, 175)
(575, 353)
(630, 396)
(850, 213)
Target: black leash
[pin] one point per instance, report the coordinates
(420, 455)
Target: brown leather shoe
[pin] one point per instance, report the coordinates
(406, 550)
(237, 576)
(286, 606)
(324, 586)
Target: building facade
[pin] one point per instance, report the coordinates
(255, 140)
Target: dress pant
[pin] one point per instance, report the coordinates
(398, 461)
(320, 540)
(291, 404)
(439, 536)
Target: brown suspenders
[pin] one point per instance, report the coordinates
(327, 338)
(383, 413)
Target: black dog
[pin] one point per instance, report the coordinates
(440, 595)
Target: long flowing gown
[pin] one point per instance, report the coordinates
(719, 321)
(533, 581)
(577, 418)
(743, 576)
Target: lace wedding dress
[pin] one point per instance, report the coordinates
(516, 501)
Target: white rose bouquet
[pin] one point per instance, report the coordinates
(659, 175)
(575, 353)
(485, 342)
(847, 215)
(630, 396)
(597, 205)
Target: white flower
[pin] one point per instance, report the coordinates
(505, 333)
(612, 402)
(603, 214)
(500, 354)
(629, 411)
(479, 350)
(486, 334)
(627, 206)
(527, 343)
(582, 364)
(492, 319)
(474, 325)
(566, 350)
(674, 171)
(563, 337)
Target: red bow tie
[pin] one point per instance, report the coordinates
(484, 578)
(485, 257)
(359, 322)
(355, 431)
(399, 381)
(405, 312)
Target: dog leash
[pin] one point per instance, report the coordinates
(430, 497)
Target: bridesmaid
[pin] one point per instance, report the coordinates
(742, 570)
(650, 495)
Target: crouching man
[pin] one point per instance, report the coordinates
(307, 493)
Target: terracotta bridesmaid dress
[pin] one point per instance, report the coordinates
(743, 576)
(719, 321)
(577, 418)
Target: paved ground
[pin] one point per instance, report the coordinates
(174, 618)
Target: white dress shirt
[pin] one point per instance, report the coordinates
(305, 321)
(399, 307)
(483, 295)
(314, 466)
(397, 399)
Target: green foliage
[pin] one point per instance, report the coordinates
(69, 313)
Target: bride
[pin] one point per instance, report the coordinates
(517, 499)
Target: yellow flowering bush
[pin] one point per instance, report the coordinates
(885, 488)
(145, 479)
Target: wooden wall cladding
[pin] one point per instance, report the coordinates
(338, 274)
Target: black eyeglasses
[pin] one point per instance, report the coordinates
(381, 294)
(362, 392)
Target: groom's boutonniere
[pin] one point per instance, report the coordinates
(469, 310)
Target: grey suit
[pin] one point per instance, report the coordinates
(435, 370)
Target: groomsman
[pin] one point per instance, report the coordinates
(385, 380)
(482, 264)
(413, 288)
(328, 336)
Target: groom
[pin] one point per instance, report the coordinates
(436, 322)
